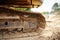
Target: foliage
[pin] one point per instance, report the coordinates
(23, 9)
(45, 12)
(55, 6)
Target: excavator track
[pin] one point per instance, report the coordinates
(19, 24)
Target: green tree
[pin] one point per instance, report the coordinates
(23, 9)
(45, 12)
(55, 6)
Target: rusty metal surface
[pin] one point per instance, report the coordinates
(27, 21)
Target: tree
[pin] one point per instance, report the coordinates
(45, 12)
(23, 9)
(55, 6)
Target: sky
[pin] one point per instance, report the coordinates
(46, 6)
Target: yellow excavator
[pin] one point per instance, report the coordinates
(21, 3)
(12, 20)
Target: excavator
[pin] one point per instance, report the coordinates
(12, 20)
